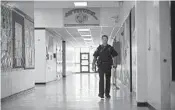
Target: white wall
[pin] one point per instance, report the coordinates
(53, 18)
(153, 74)
(69, 59)
(106, 17)
(173, 95)
(45, 69)
(165, 53)
(125, 10)
(152, 22)
(40, 56)
(17, 80)
(48, 18)
(153, 56)
(141, 75)
(51, 73)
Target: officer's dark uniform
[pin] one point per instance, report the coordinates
(104, 56)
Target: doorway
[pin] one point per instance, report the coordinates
(84, 63)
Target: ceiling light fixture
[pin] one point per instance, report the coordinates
(86, 35)
(80, 4)
(88, 39)
(83, 29)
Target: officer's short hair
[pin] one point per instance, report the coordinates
(104, 36)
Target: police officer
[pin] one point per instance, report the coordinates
(105, 58)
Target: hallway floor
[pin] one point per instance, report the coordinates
(75, 92)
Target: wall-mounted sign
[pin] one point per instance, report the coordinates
(81, 17)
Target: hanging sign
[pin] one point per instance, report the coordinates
(81, 17)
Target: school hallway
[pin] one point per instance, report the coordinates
(49, 48)
(76, 92)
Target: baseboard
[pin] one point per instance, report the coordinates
(41, 83)
(17, 94)
(145, 104)
(44, 83)
(142, 104)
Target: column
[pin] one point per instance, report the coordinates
(141, 76)
(64, 58)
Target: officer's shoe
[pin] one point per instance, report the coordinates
(108, 96)
(101, 96)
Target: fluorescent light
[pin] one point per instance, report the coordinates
(83, 29)
(86, 35)
(79, 4)
(88, 39)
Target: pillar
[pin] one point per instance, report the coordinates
(64, 58)
(141, 76)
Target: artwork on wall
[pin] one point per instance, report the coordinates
(17, 40)
(123, 69)
(6, 38)
(18, 46)
(29, 45)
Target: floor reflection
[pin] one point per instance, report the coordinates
(75, 92)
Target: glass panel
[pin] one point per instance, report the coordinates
(84, 56)
(84, 62)
(85, 68)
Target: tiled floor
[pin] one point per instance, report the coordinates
(76, 92)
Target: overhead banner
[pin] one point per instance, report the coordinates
(81, 17)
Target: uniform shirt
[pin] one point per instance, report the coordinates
(105, 53)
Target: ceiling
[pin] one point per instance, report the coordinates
(25, 6)
(73, 37)
(70, 4)
(70, 34)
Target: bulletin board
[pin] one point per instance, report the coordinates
(29, 45)
(6, 38)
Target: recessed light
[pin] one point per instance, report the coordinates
(83, 29)
(80, 4)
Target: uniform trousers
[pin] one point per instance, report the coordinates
(107, 75)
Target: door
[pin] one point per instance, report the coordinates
(84, 63)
